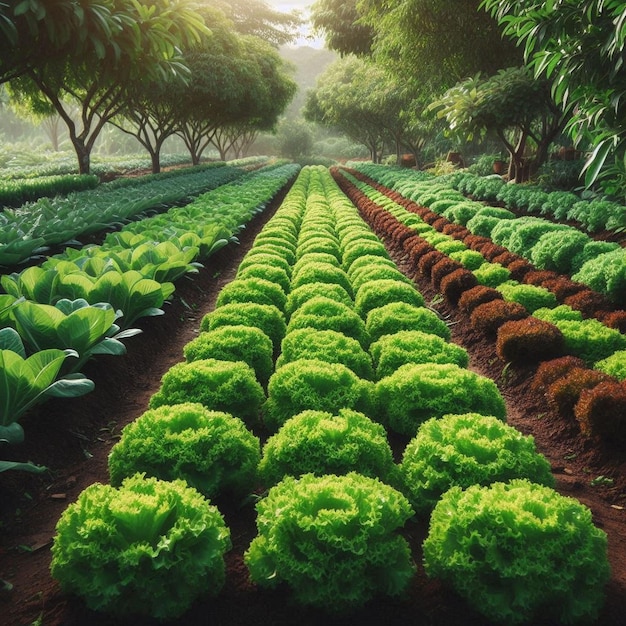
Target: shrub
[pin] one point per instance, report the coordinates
(323, 313)
(606, 273)
(417, 392)
(550, 371)
(377, 293)
(148, 548)
(321, 273)
(319, 442)
(519, 552)
(312, 384)
(601, 412)
(359, 248)
(587, 302)
(367, 262)
(267, 259)
(218, 385)
(377, 272)
(326, 345)
(314, 257)
(319, 243)
(265, 317)
(530, 340)
(488, 317)
(556, 250)
(299, 296)
(428, 261)
(530, 297)
(235, 343)
(273, 274)
(212, 451)
(252, 289)
(441, 269)
(469, 259)
(492, 274)
(332, 539)
(464, 450)
(396, 316)
(476, 296)
(613, 319)
(413, 346)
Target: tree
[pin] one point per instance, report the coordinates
(512, 104)
(340, 22)
(143, 42)
(295, 139)
(579, 46)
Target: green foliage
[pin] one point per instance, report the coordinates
(588, 339)
(465, 450)
(519, 552)
(613, 365)
(322, 313)
(273, 274)
(149, 548)
(325, 345)
(531, 297)
(469, 259)
(235, 343)
(377, 293)
(258, 255)
(332, 539)
(212, 451)
(312, 384)
(321, 273)
(558, 251)
(227, 386)
(319, 443)
(491, 274)
(253, 289)
(396, 316)
(462, 212)
(266, 317)
(607, 274)
(417, 392)
(368, 262)
(413, 346)
(299, 296)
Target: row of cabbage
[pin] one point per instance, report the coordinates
(319, 347)
(548, 245)
(30, 229)
(588, 384)
(82, 303)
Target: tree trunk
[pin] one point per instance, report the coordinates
(83, 155)
(155, 160)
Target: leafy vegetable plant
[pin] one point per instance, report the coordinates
(149, 548)
(211, 450)
(332, 540)
(519, 552)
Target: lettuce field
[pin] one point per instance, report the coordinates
(354, 395)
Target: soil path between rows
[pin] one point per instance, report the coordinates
(74, 437)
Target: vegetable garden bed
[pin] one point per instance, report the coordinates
(76, 439)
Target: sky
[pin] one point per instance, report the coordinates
(303, 6)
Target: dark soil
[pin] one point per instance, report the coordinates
(73, 438)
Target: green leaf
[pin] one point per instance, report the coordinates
(596, 161)
(22, 467)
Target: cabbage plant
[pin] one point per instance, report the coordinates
(333, 540)
(519, 552)
(149, 548)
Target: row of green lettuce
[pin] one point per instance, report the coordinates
(320, 346)
(552, 246)
(589, 339)
(82, 303)
(557, 339)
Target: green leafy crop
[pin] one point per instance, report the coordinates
(212, 450)
(319, 442)
(465, 450)
(325, 345)
(332, 539)
(614, 365)
(252, 289)
(396, 316)
(312, 384)
(303, 294)
(321, 273)
(417, 392)
(377, 293)
(414, 346)
(235, 343)
(148, 548)
(229, 386)
(519, 552)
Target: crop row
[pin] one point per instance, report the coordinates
(55, 317)
(17, 192)
(30, 229)
(595, 397)
(601, 265)
(320, 345)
